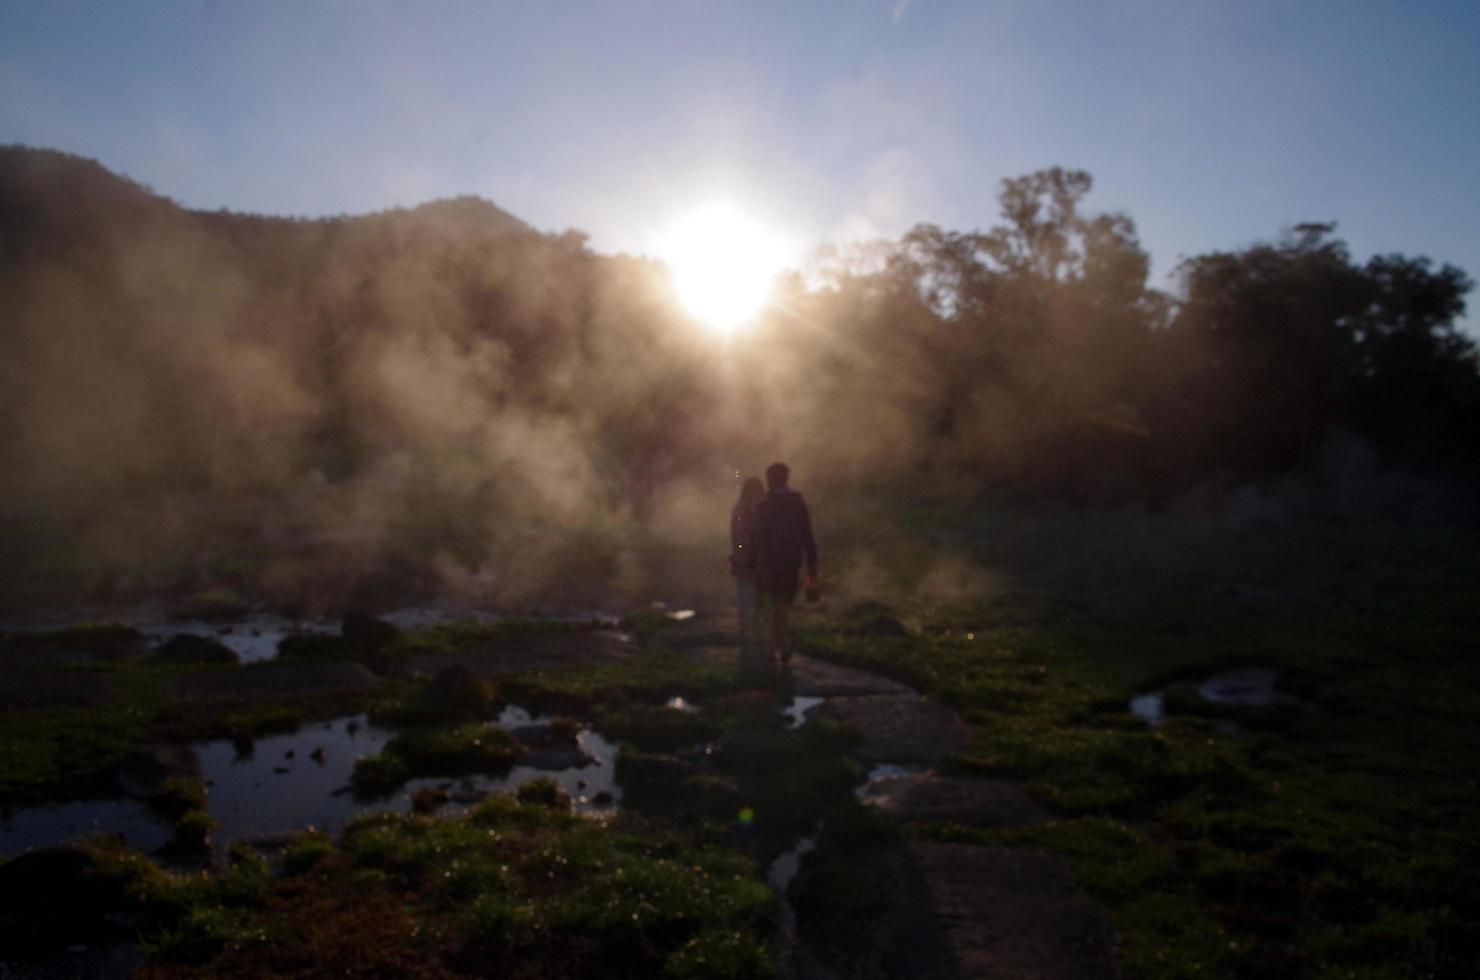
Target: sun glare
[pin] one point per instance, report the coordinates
(723, 264)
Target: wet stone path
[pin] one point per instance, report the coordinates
(961, 910)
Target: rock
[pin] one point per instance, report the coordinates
(880, 625)
(896, 729)
(53, 898)
(963, 800)
(429, 799)
(313, 647)
(817, 678)
(1014, 914)
(145, 773)
(544, 791)
(74, 644)
(187, 648)
(275, 681)
(556, 759)
(545, 736)
(457, 693)
(365, 635)
(539, 650)
(27, 689)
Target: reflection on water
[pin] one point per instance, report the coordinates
(796, 710)
(44, 826)
(252, 638)
(1251, 687)
(780, 875)
(288, 783)
(1149, 708)
(884, 773)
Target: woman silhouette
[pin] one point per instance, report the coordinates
(742, 558)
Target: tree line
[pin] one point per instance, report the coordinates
(446, 381)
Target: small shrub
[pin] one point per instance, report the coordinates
(379, 776)
(544, 791)
(305, 852)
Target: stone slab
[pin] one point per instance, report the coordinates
(275, 681)
(968, 801)
(1013, 914)
(896, 728)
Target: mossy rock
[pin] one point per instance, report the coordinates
(216, 605)
(657, 729)
(188, 648)
(312, 647)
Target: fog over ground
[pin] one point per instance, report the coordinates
(443, 399)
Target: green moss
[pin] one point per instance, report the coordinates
(656, 728)
(305, 851)
(1268, 852)
(543, 791)
(651, 676)
(467, 634)
(460, 751)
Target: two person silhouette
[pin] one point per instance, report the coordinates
(770, 541)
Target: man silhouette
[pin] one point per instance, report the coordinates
(781, 537)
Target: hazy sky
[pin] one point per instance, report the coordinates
(1211, 123)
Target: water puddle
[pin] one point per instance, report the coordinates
(290, 782)
(45, 826)
(796, 710)
(1243, 687)
(418, 617)
(780, 875)
(1150, 708)
(1250, 687)
(253, 638)
(287, 783)
(879, 775)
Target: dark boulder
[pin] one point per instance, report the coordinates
(366, 636)
(457, 693)
(302, 647)
(188, 648)
(145, 774)
(880, 625)
(275, 681)
(53, 898)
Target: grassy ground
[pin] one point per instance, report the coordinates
(1331, 837)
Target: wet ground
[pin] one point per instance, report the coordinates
(284, 784)
(1248, 687)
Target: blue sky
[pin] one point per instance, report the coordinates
(1212, 124)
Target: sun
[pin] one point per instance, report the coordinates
(723, 264)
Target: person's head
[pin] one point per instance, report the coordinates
(751, 491)
(776, 475)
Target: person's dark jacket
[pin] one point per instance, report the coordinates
(782, 540)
